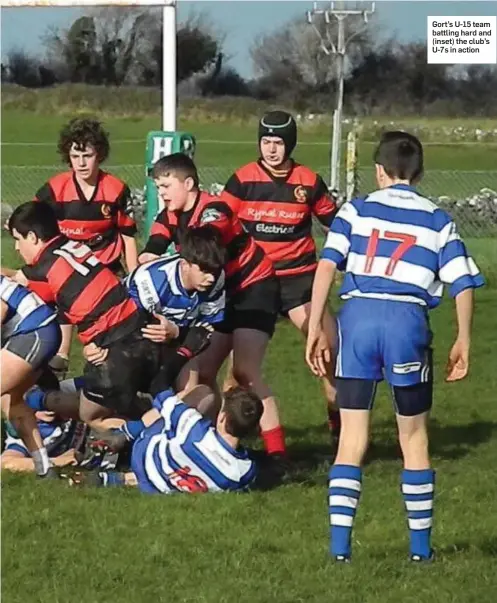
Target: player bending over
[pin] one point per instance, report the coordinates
(181, 289)
(98, 304)
(397, 248)
(30, 339)
(177, 449)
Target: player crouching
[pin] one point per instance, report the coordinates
(176, 448)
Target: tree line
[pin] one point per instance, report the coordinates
(113, 47)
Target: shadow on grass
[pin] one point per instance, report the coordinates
(448, 442)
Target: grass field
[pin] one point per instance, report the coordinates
(60, 545)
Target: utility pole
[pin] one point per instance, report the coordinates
(338, 11)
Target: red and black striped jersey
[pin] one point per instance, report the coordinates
(277, 211)
(66, 273)
(247, 262)
(99, 221)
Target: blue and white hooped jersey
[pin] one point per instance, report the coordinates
(396, 244)
(156, 287)
(26, 311)
(182, 452)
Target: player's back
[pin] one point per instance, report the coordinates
(26, 312)
(398, 245)
(182, 452)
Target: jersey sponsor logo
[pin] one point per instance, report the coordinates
(106, 210)
(260, 214)
(183, 480)
(210, 215)
(300, 194)
(72, 232)
(406, 368)
(274, 229)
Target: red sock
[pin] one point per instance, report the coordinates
(274, 440)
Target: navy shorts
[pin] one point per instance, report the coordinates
(37, 347)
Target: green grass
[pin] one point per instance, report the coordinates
(61, 545)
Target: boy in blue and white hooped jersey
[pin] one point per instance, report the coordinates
(184, 288)
(30, 338)
(176, 448)
(397, 250)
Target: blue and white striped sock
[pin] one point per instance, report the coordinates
(418, 487)
(344, 492)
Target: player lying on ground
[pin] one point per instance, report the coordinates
(91, 205)
(177, 449)
(252, 290)
(396, 248)
(63, 438)
(99, 305)
(182, 289)
(30, 338)
(275, 199)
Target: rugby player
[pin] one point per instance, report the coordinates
(176, 449)
(397, 249)
(91, 205)
(252, 290)
(30, 338)
(275, 199)
(107, 319)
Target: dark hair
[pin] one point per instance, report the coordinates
(83, 132)
(178, 165)
(203, 246)
(243, 411)
(401, 155)
(36, 217)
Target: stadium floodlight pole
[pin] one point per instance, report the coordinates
(340, 12)
(169, 95)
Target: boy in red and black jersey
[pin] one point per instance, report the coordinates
(252, 290)
(93, 299)
(275, 199)
(92, 206)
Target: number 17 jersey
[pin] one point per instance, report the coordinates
(397, 245)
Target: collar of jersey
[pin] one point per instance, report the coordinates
(403, 187)
(238, 452)
(42, 250)
(277, 175)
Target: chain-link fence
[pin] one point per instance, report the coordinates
(470, 196)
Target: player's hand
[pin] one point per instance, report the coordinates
(197, 340)
(67, 458)
(159, 333)
(458, 362)
(318, 353)
(95, 354)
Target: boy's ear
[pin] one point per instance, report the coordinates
(189, 183)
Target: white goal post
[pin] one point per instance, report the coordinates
(169, 97)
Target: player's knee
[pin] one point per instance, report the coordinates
(246, 375)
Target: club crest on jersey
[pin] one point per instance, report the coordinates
(210, 215)
(106, 210)
(300, 194)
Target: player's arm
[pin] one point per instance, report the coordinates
(457, 269)
(127, 227)
(160, 238)
(31, 277)
(323, 205)
(232, 193)
(334, 253)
